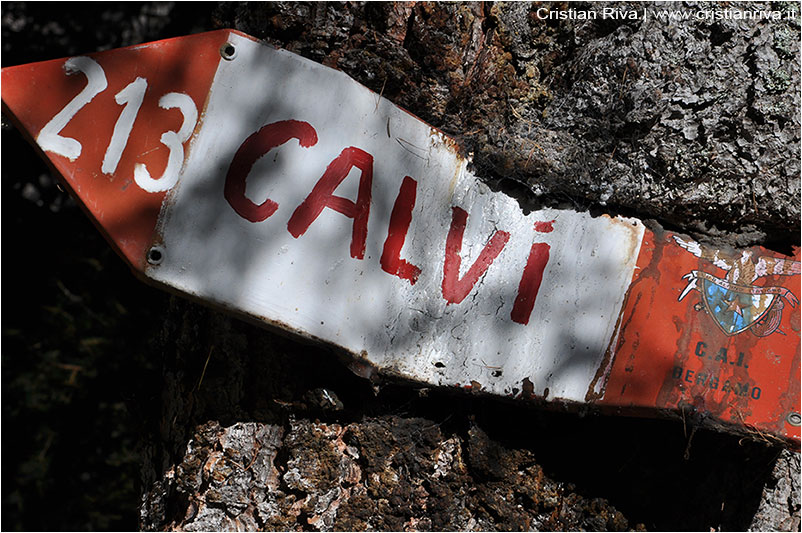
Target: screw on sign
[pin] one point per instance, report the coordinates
(279, 189)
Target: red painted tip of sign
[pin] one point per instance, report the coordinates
(544, 227)
(117, 126)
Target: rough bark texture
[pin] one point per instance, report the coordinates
(258, 431)
(367, 467)
(779, 504)
(385, 473)
(694, 124)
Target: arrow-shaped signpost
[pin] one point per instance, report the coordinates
(273, 187)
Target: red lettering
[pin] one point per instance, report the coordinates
(400, 218)
(530, 283)
(322, 196)
(454, 289)
(254, 147)
(532, 276)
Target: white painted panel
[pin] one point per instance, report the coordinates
(312, 283)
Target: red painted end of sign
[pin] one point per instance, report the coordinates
(34, 94)
(671, 353)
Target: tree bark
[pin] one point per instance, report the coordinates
(779, 503)
(383, 473)
(273, 464)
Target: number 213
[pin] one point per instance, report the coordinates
(130, 98)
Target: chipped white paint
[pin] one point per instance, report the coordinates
(312, 283)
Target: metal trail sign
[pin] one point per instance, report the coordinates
(266, 184)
